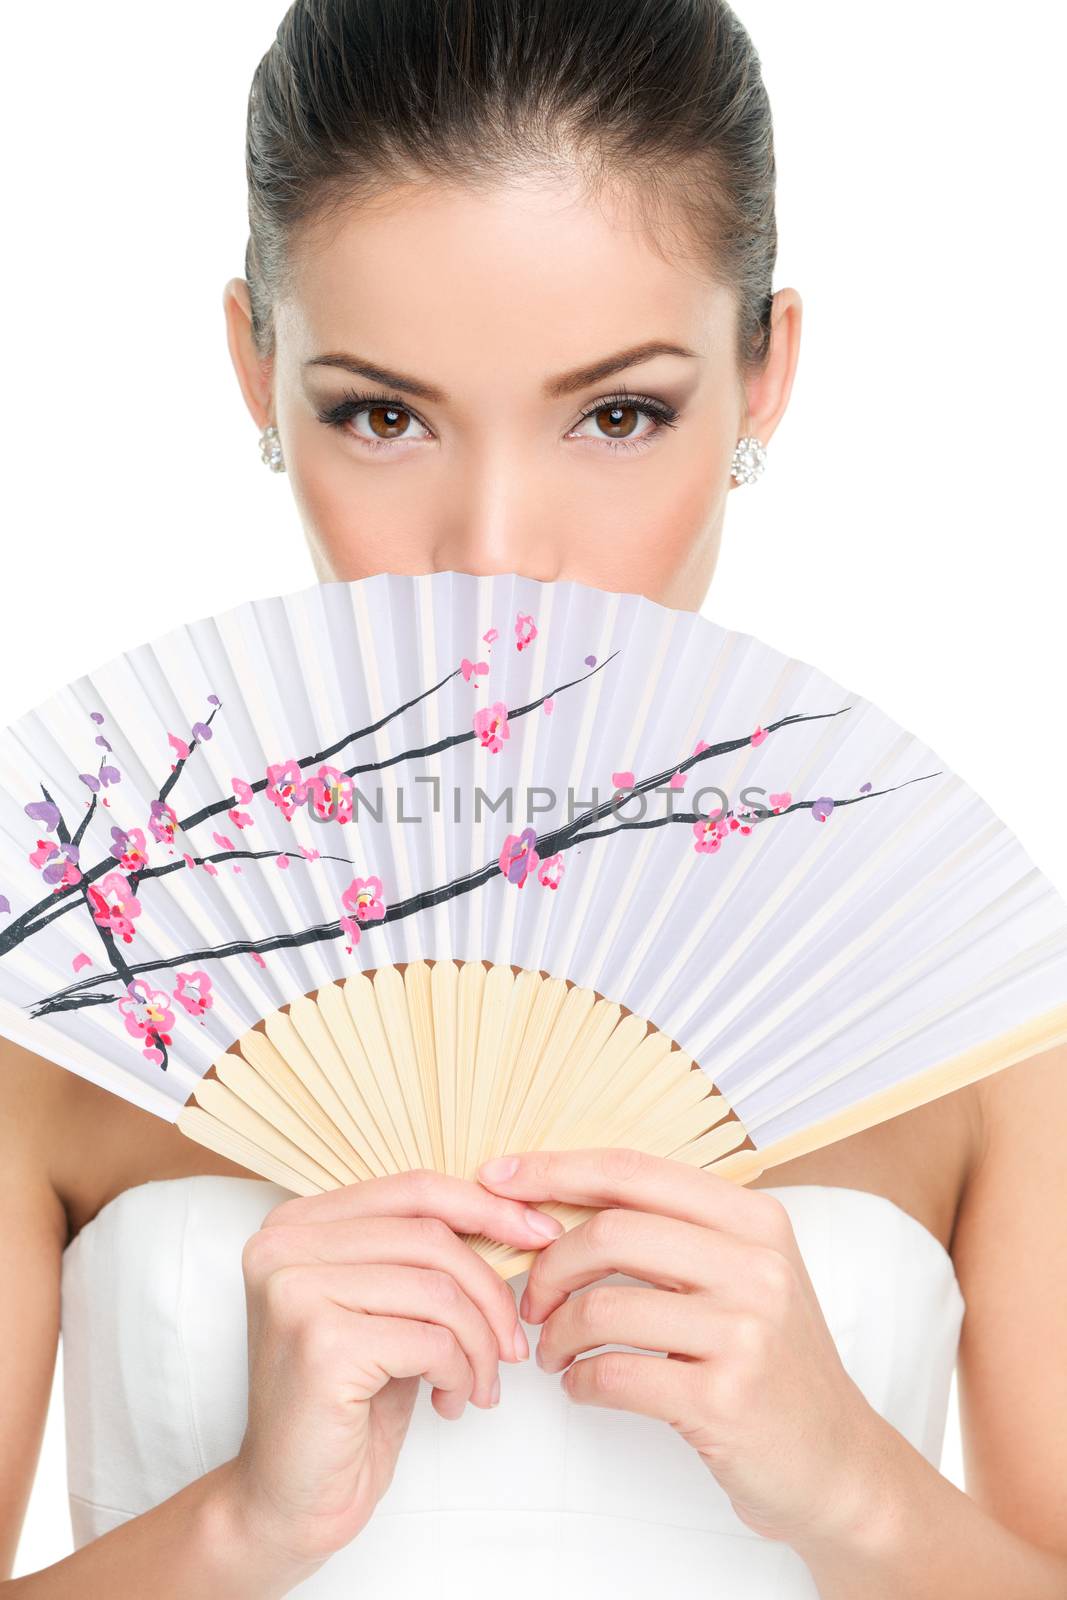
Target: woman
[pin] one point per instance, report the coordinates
(507, 306)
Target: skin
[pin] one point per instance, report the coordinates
(497, 477)
(529, 282)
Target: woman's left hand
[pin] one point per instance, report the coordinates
(752, 1378)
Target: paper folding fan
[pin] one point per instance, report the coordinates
(408, 871)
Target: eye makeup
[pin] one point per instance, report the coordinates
(353, 404)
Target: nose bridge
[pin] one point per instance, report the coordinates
(493, 519)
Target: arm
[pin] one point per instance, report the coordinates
(195, 1542)
(912, 1534)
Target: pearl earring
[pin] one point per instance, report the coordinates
(749, 459)
(270, 449)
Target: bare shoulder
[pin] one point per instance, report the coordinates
(86, 1143)
(32, 1094)
(918, 1159)
(1017, 1187)
(1010, 1253)
(60, 1135)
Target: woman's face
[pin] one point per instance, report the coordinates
(509, 381)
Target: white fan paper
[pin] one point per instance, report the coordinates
(369, 776)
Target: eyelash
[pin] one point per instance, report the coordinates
(351, 404)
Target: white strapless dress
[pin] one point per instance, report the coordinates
(540, 1496)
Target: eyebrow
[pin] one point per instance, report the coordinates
(564, 383)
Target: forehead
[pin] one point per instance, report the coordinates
(518, 277)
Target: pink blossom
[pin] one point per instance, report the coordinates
(148, 1016)
(780, 802)
(525, 630)
(518, 856)
(193, 991)
(240, 819)
(286, 787)
(57, 863)
(759, 736)
(113, 905)
(352, 929)
(363, 898)
(551, 870)
(491, 726)
(330, 794)
(241, 790)
(162, 821)
(471, 669)
(130, 848)
(709, 834)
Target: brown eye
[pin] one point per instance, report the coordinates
(377, 421)
(616, 419)
(621, 421)
(388, 422)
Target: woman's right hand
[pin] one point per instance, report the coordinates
(353, 1295)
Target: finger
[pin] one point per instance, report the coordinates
(297, 1294)
(398, 1347)
(422, 1241)
(651, 1386)
(616, 1175)
(465, 1205)
(676, 1255)
(614, 1313)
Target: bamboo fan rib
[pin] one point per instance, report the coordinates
(409, 871)
(442, 1065)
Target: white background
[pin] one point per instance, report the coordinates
(908, 536)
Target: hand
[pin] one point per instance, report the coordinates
(352, 1296)
(752, 1378)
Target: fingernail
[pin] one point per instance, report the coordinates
(522, 1344)
(494, 1393)
(547, 1227)
(502, 1167)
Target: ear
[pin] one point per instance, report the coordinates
(766, 393)
(253, 374)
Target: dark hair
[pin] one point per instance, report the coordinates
(662, 97)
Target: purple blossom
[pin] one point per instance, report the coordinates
(45, 812)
